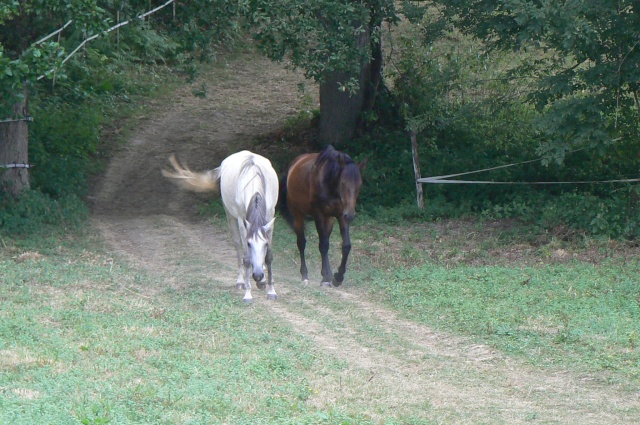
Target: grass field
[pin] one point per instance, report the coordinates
(86, 338)
(82, 341)
(574, 305)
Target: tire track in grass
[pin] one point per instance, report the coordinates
(448, 373)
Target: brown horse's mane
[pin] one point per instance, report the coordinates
(335, 165)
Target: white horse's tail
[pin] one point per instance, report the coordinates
(207, 181)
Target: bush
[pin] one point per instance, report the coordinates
(62, 141)
(35, 213)
(616, 216)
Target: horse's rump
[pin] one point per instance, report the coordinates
(244, 174)
(298, 191)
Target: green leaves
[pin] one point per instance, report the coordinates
(587, 54)
(320, 37)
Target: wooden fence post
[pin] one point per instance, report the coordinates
(416, 168)
(14, 155)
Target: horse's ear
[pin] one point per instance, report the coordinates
(363, 164)
(269, 225)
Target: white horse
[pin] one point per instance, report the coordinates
(249, 188)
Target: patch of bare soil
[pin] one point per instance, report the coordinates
(404, 367)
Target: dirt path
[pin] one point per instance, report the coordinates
(393, 366)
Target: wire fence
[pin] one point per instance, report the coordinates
(447, 179)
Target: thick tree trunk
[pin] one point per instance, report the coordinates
(341, 111)
(14, 157)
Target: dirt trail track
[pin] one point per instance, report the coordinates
(406, 366)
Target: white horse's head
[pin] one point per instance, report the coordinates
(258, 244)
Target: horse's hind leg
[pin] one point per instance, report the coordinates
(346, 248)
(298, 227)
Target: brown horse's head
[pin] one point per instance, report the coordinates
(349, 187)
(342, 180)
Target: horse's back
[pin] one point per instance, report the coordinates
(240, 179)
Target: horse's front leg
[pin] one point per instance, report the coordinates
(271, 292)
(346, 248)
(237, 243)
(324, 226)
(298, 228)
(247, 284)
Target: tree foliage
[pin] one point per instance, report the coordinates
(197, 28)
(585, 71)
(319, 37)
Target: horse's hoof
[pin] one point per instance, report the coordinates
(337, 280)
(240, 286)
(272, 297)
(305, 281)
(247, 300)
(326, 284)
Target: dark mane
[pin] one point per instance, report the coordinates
(335, 165)
(256, 214)
(257, 210)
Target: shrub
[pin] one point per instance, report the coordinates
(35, 213)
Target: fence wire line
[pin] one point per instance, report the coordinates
(445, 178)
(432, 180)
(16, 166)
(93, 37)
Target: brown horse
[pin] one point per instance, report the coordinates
(324, 186)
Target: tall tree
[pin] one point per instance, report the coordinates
(586, 71)
(335, 42)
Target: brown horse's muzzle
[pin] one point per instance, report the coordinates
(349, 216)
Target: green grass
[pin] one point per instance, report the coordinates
(572, 315)
(87, 340)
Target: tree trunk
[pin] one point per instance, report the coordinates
(14, 157)
(341, 111)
